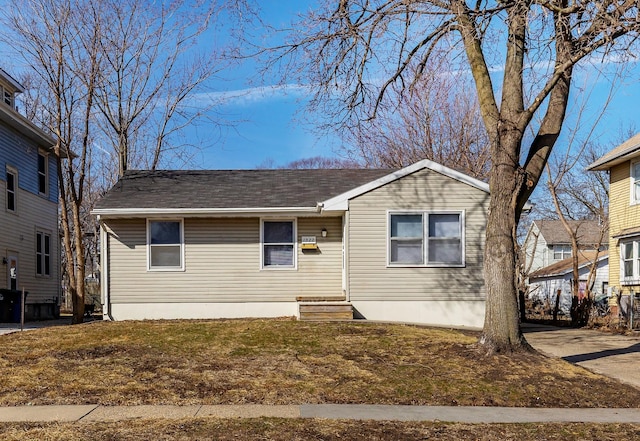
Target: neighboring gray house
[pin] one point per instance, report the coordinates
(404, 245)
(547, 241)
(545, 283)
(29, 217)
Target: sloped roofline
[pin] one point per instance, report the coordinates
(625, 151)
(601, 256)
(341, 202)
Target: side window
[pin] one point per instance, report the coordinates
(406, 241)
(43, 254)
(278, 244)
(43, 174)
(445, 239)
(12, 190)
(561, 252)
(426, 239)
(165, 244)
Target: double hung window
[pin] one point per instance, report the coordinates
(165, 244)
(630, 262)
(43, 253)
(426, 239)
(12, 186)
(43, 174)
(278, 244)
(561, 252)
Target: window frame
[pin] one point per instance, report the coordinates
(44, 174)
(635, 180)
(294, 245)
(14, 172)
(181, 246)
(634, 278)
(563, 251)
(43, 258)
(426, 239)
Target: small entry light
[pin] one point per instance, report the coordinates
(324, 232)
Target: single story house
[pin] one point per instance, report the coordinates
(397, 245)
(545, 283)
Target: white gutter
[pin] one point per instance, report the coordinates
(195, 212)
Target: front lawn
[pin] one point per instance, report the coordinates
(284, 362)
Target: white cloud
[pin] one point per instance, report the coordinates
(248, 96)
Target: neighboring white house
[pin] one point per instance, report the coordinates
(545, 283)
(404, 245)
(29, 242)
(547, 241)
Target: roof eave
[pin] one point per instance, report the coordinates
(113, 213)
(341, 202)
(26, 127)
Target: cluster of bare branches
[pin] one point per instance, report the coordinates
(112, 82)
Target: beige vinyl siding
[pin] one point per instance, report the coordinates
(369, 276)
(222, 263)
(622, 215)
(18, 236)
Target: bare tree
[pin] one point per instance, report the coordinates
(151, 70)
(437, 118)
(109, 67)
(60, 44)
(355, 52)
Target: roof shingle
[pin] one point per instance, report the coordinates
(277, 188)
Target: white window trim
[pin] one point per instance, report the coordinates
(14, 172)
(295, 244)
(633, 179)
(182, 253)
(46, 173)
(425, 239)
(44, 232)
(634, 279)
(562, 251)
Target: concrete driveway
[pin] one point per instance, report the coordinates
(616, 356)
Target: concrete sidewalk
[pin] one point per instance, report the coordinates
(613, 355)
(462, 414)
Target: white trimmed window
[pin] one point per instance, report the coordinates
(12, 190)
(426, 239)
(43, 253)
(165, 245)
(635, 182)
(561, 252)
(630, 262)
(43, 174)
(278, 243)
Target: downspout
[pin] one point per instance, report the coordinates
(104, 270)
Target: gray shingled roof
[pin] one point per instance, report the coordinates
(277, 188)
(588, 232)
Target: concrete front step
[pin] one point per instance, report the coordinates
(324, 311)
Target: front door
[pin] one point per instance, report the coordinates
(12, 275)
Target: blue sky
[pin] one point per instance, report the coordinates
(271, 122)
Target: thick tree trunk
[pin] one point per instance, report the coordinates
(502, 332)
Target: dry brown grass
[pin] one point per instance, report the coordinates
(311, 430)
(284, 362)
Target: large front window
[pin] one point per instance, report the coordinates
(165, 245)
(278, 244)
(426, 239)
